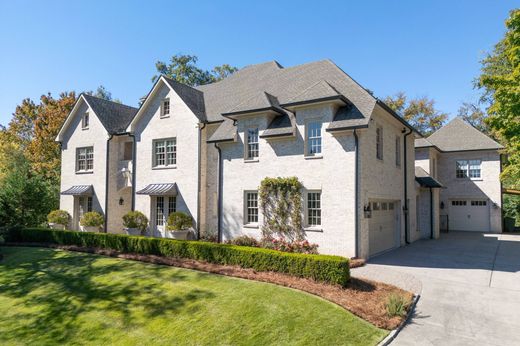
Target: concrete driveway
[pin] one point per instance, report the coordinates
(469, 285)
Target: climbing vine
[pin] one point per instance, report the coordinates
(281, 203)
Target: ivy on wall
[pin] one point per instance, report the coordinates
(281, 203)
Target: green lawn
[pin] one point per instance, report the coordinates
(53, 297)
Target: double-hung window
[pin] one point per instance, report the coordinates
(85, 159)
(164, 205)
(165, 152)
(379, 143)
(165, 108)
(398, 151)
(313, 208)
(468, 169)
(85, 121)
(252, 144)
(313, 138)
(251, 207)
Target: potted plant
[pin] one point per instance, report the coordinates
(91, 222)
(179, 224)
(58, 219)
(135, 223)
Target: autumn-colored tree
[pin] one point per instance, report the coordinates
(474, 115)
(500, 82)
(184, 69)
(419, 112)
(21, 126)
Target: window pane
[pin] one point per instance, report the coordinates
(251, 207)
(159, 153)
(252, 143)
(166, 107)
(159, 211)
(172, 205)
(314, 138)
(474, 168)
(379, 143)
(398, 151)
(314, 208)
(171, 151)
(462, 169)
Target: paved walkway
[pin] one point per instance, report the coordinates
(469, 285)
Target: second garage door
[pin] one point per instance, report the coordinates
(469, 215)
(383, 226)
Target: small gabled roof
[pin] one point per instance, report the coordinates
(422, 143)
(346, 118)
(458, 135)
(320, 91)
(257, 103)
(281, 126)
(424, 179)
(226, 132)
(114, 116)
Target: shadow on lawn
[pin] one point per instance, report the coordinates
(66, 285)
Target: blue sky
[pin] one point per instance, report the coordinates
(425, 48)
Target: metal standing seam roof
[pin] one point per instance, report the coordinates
(426, 180)
(79, 190)
(169, 189)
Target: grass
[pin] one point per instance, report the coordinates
(50, 297)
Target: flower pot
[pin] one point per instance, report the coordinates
(180, 235)
(132, 231)
(90, 228)
(56, 226)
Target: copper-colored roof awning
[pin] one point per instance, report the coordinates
(79, 190)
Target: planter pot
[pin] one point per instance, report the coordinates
(90, 228)
(132, 231)
(180, 235)
(56, 226)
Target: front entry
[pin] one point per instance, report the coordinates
(82, 205)
(162, 206)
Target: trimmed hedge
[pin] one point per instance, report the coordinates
(329, 269)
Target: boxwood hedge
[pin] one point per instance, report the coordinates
(329, 269)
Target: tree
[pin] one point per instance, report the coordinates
(474, 115)
(103, 93)
(21, 126)
(500, 82)
(184, 69)
(419, 112)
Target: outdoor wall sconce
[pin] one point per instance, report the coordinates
(121, 201)
(367, 211)
(442, 205)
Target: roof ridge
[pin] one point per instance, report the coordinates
(105, 100)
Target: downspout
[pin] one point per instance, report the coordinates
(106, 183)
(431, 213)
(356, 193)
(219, 194)
(406, 211)
(199, 190)
(134, 151)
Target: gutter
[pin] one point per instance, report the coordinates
(199, 190)
(405, 209)
(219, 194)
(107, 167)
(356, 193)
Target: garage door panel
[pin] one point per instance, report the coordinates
(469, 215)
(383, 226)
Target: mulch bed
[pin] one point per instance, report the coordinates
(364, 298)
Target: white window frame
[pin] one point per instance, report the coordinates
(251, 208)
(165, 108)
(85, 159)
(313, 141)
(252, 146)
(466, 171)
(310, 220)
(398, 151)
(169, 153)
(379, 142)
(85, 121)
(168, 205)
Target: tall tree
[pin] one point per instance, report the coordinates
(419, 112)
(474, 115)
(103, 93)
(184, 69)
(500, 82)
(21, 126)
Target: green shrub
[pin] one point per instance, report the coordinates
(92, 219)
(244, 240)
(397, 305)
(135, 219)
(60, 217)
(330, 269)
(179, 221)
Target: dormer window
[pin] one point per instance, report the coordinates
(85, 121)
(165, 108)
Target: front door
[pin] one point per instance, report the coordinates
(83, 205)
(162, 206)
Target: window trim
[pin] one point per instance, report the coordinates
(85, 170)
(154, 155)
(309, 226)
(398, 151)
(85, 124)
(379, 142)
(163, 102)
(246, 144)
(245, 217)
(467, 169)
(307, 146)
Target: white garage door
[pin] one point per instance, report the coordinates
(383, 226)
(469, 215)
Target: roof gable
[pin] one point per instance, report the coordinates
(459, 135)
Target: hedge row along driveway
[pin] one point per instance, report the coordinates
(329, 269)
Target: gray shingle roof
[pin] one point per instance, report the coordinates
(422, 143)
(281, 126)
(260, 102)
(320, 90)
(193, 98)
(226, 132)
(347, 117)
(114, 116)
(458, 135)
(424, 179)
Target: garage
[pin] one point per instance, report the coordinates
(383, 226)
(469, 215)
